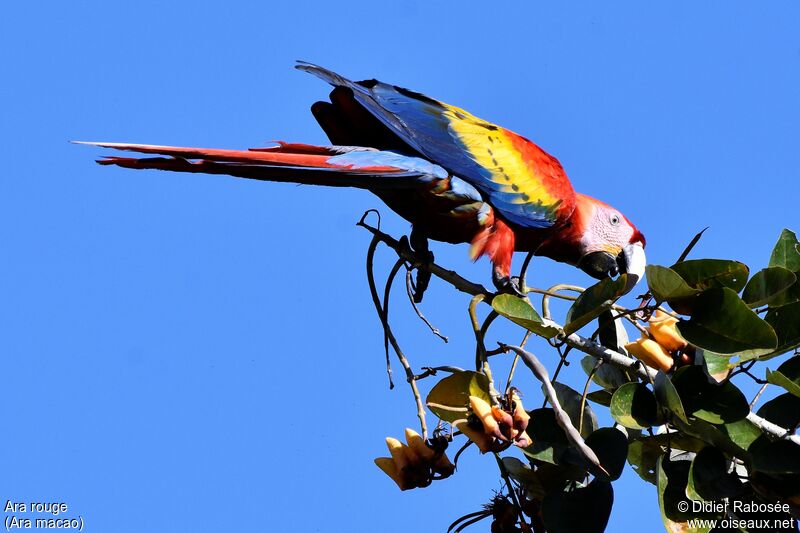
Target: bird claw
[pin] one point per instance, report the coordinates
(421, 285)
(507, 285)
(423, 277)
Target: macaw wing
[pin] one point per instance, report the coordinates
(520, 180)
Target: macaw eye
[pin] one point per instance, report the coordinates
(614, 220)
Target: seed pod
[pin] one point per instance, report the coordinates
(399, 453)
(505, 422)
(650, 353)
(662, 329)
(417, 445)
(480, 438)
(484, 413)
(520, 415)
(390, 469)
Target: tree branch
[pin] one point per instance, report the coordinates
(562, 417)
(573, 340)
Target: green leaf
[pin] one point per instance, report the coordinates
(717, 366)
(766, 285)
(721, 436)
(786, 253)
(522, 313)
(643, 453)
(668, 397)
(585, 509)
(607, 376)
(593, 301)
(741, 433)
(783, 410)
(570, 401)
(549, 440)
(600, 397)
(786, 323)
(449, 398)
(705, 274)
(553, 478)
(676, 509)
(643, 456)
(709, 479)
(778, 457)
(611, 332)
(789, 296)
(667, 285)
(716, 403)
(519, 471)
(634, 406)
(723, 323)
(611, 447)
(787, 375)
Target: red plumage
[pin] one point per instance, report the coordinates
(455, 177)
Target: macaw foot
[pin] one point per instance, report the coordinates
(423, 279)
(419, 245)
(507, 285)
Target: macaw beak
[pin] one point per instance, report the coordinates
(631, 260)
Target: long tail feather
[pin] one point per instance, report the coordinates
(337, 166)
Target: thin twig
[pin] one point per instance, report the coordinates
(410, 292)
(458, 282)
(574, 340)
(511, 490)
(758, 395)
(553, 292)
(515, 361)
(373, 290)
(481, 360)
(562, 417)
(383, 315)
(523, 272)
(432, 370)
(386, 291)
(596, 367)
(561, 362)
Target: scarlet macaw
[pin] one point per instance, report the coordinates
(455, 177)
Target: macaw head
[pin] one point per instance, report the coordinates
(608, 243)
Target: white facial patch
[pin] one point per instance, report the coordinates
(608, 231)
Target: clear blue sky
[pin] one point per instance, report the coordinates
(188, 353)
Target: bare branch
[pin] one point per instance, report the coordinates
(458, 282)
(410, 291)
(383, 315)
(373, 290)
(773, 429)
(573, 340)
(562, 418)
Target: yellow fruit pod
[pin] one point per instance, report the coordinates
(390, 469)
(520, 415)
(483, 411)
(503, 418)
(416, 444)
(662, 329)
(399, 453)
(650, 353)
(483, 441)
